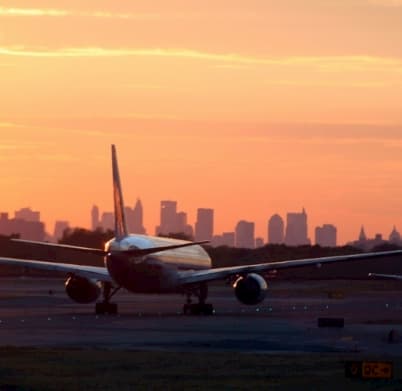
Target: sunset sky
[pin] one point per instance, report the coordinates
(248, 107)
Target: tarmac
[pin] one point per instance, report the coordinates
(36, 312)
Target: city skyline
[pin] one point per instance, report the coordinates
(253, 108)
(292, 233)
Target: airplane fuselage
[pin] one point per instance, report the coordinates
(155, 273)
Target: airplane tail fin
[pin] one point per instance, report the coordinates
(119, 214)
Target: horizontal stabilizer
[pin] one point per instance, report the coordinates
(135, 252)
(138, 252)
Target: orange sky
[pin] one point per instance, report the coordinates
(251, 108)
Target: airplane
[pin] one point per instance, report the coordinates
(150, 264)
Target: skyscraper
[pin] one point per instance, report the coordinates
(168, 219)
(325, 236)
(296, 229)
(204, 226)
(138, 225)
(59, 227)
(182, 226)
(275, 230)
(245, 234)
(95, 218)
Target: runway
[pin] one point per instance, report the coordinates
(37, 312)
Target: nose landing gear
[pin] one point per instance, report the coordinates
(105, 306)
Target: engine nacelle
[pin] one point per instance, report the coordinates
(81, 289)
(250, 289)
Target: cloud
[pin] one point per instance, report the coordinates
(9, 125)
(32, 12)
(323, 63)
(38, 12)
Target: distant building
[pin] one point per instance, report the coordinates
(245, 234)
(216, 241)
(134, 219)
(395, 237)
(59, 228)
(325, 236)
(29, 230)
(378, 240)
(95, 223)
(228, 239)
(365, 243)
(296, 229)
(259, 242)
(107, 221)
(172, 222)
(204, 226)
(168, 218)
(138, 219)
(182, 226)
(276, 230)
(27, 214)
(362, 235)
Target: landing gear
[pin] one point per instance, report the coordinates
(105, 306)
(200, 308)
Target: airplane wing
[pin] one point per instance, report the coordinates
(191, 277)
(86, 250)
(391, 276)
(91, 272)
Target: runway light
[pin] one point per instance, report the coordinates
(386, 305)
(327, 306)
(294, 308)
(305, 308)
(270, 309)
(257, 310)
(73, 318)
(49, 318)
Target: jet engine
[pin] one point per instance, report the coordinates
(82, 290)
(250, 289)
